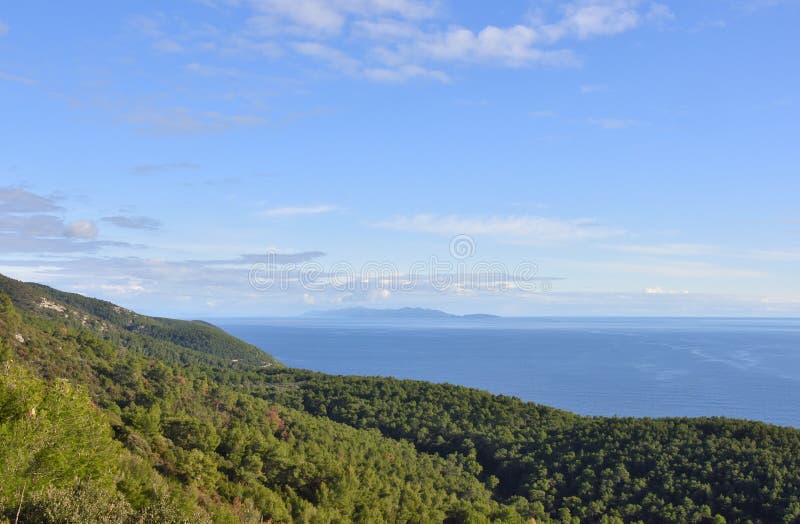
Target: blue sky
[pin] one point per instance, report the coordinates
(641, 156)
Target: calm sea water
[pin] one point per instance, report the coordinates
(744, 368)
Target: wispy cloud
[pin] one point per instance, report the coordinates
(268, 257)
(4, 28)
(329, 17)
(661, 291)
(543, 114)
(751, 6)
(134, 222)
(212, 71)
(182, 120)
(592, 88)
(526, 43)
(160, 39)
(668, 249)
(149, 169)
(294, 211)
(335, 58)
(591, 18)
(775, 255)
(17, 78)
(518, 229)
(681, 269)
(17, 200)
(404, 72)
(31, 225)
(511, 46)
(191, 281)
(613, 123)
(11, 243)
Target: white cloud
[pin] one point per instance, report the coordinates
(149, 169)
(519, 229)
(592, 88)
(668, 249)
(160, 40)
(16, 200)
(4, 28)
(781, 300)
(17, 78)
(589, 18)
(751, 6)
(613, 123)
(328, 17)
(337, 59)
(84, 229)
(181, 120)
(523, 44)
(31, 225)
(212, 71)
(513, 43)
(385, 29)
(121, 289)
(376, 295)
(134, 222)
(341, 62)
(404, 72)
(511, 46)
(775, 255)
(294, 211)
(311, 16)
(593, 18)
(661, 291)
(165, 45)
(396, 40)
(681, 269)
(30, 273)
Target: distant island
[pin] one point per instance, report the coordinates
(400, 313)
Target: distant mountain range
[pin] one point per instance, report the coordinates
(401, 313)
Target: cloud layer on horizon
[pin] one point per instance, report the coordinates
(522, 229)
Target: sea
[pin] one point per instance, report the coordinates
(643, 367)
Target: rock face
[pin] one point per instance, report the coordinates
(47, 304)
(19, 338)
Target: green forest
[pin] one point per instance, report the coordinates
(111, 416)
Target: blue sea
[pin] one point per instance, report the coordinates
(743, 368)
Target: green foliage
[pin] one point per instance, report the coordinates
(81, 502)
(588, 468)
(9, 326)
(51, 434)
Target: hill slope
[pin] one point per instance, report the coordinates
(110, 415)
(78, 311)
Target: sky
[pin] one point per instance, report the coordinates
(269, 157)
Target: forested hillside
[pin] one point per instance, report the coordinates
(107, 415)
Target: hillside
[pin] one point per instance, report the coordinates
(108, 415)
(79, 312)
